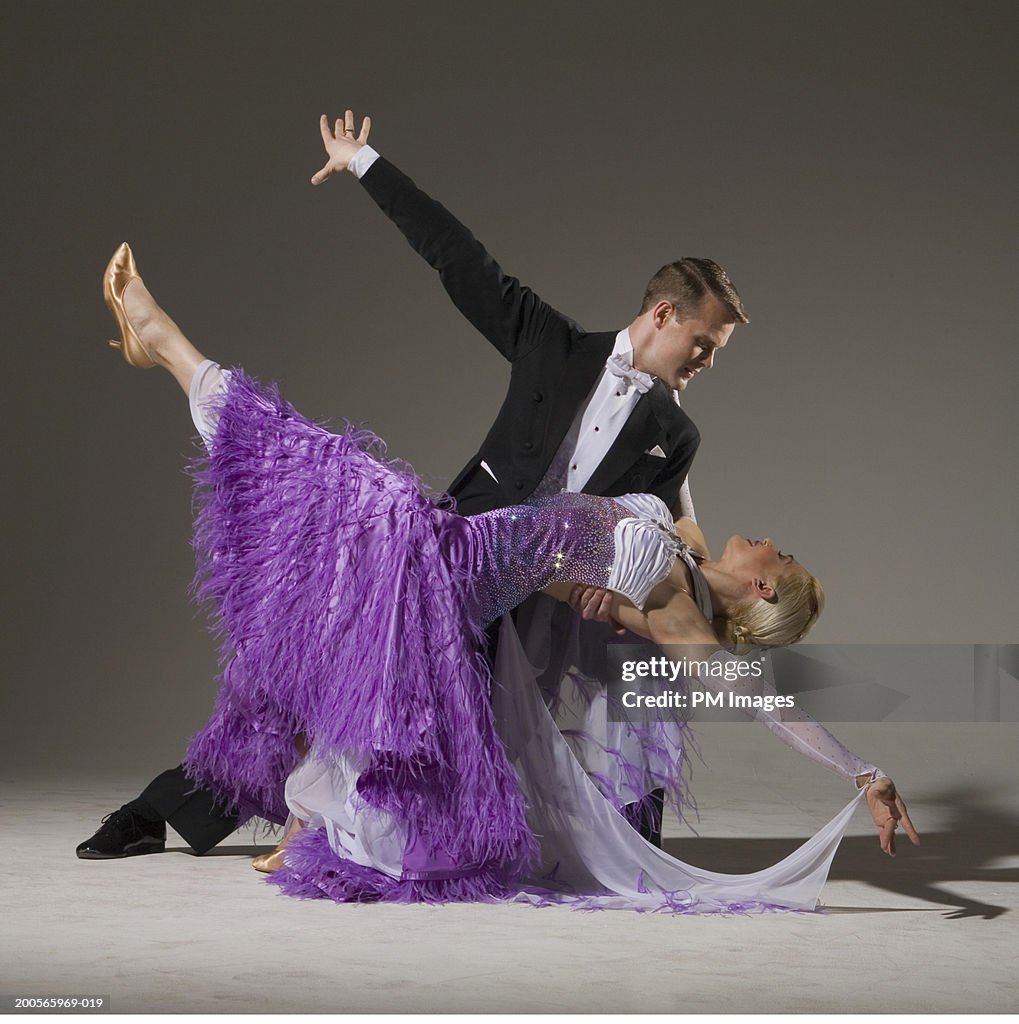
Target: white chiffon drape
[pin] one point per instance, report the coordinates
(591, 857)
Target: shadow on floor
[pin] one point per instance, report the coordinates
(977, 835)
(224, 851)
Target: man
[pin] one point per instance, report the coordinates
(593, 412)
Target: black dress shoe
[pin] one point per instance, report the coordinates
(124, 834)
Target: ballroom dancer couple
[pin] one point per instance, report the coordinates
(355, 692)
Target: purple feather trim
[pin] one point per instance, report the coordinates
(629, 793)
(314, 871)
(338, 590)
(679, 902)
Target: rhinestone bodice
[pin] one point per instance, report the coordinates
(568, 538)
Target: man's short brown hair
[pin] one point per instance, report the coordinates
(686, 282)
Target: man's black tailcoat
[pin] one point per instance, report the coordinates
(554, 366)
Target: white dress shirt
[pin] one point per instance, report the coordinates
(362, 160)
(594, 429)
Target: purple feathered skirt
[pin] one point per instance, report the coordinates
(342, 597)
(350, 609)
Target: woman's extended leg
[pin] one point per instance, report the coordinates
(138, 313)
(164, 341)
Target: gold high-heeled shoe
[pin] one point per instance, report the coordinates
(268, 862)
(119, 273)
(273, 861)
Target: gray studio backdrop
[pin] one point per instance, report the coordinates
(852, 166)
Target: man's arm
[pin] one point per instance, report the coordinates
(506, 312)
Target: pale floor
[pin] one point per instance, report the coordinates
(934, 930)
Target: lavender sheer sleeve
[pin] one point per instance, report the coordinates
(795, 728)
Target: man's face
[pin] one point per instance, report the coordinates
(678, 351)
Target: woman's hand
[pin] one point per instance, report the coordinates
(340, 144)
(888, 811)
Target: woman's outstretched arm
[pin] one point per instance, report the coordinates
(679, 622)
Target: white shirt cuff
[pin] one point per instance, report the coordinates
(362, 160)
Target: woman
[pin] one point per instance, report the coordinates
(352, 611)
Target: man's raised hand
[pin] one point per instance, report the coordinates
(340, 144)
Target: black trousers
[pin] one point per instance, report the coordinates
(189, 810)
(194, 814)
(646, 817)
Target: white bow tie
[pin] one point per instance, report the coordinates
(621, 365)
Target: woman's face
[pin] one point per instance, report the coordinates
(756, 559)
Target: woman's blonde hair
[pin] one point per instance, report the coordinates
(799, 601)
